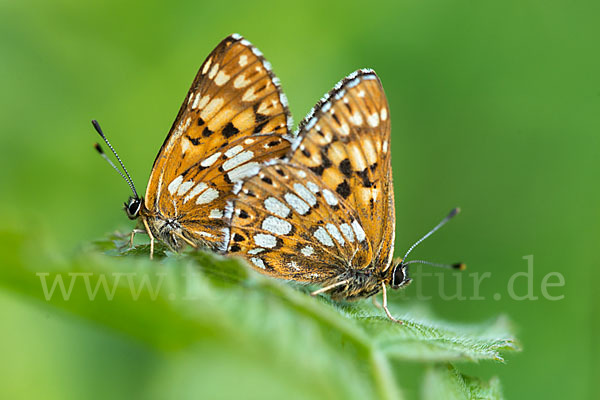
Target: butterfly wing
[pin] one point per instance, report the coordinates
(233, 118)
(345, 140)
(288, 224)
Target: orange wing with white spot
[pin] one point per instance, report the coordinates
(288, 224)
(345, 140)
(233, 118)
(331, 209)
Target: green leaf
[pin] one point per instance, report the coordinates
(445, 382)
(203, 305)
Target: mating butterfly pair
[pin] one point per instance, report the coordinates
(317, 206)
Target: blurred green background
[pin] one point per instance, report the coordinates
(495, 108)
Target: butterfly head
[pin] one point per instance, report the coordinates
(132, 207)
(399, 275)
(134, 204)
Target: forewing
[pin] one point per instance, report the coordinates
(288, 224)
(233, 118)
(234, 95)
(345, 140)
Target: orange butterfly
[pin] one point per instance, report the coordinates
(325, 214)
(233, 118)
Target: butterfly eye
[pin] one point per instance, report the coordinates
(132, 207)
(400, 276)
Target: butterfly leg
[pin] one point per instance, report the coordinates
(151, 238)
(385, 307)
(375, 302)
(188, 241)
(133, 232)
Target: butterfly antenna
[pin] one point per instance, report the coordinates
(125, 176)
(459, 266)
(431, 232)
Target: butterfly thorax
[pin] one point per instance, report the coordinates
(361, 283)
(368, 282)
(169, 229)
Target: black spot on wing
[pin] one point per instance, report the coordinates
(230, 130)
(317, 170)
(346, 167)
(207, 132)
(364, 175)
(195, 141)
(260, 126)
(243, 214)
(343, 189)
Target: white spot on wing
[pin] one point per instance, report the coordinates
(312, 187)
(207, 196)
(237, 160)
(358, 230)
(197, 189)
(185, 144)
(207, 162)
(347, 231)
(205, 234)
(241, 81)
(249, 95)
(211, 108)
(373, 119)
(276, 225)
(206, 66)
(305, 194)
(323, 237)
(216, 214)
(222, 78)
(202, 102)
(174, 185)
(258, 262)
(233, 151)
(297, 204)
(244, 171)
(333, 230)
(307, 251)
(196, 101)
(185, 186)
(294, 265)
(213, 71)
(276, 207)
(243, 60)
(356, 119)
(383, 114)
(263, 240)
(330, 197)
(345, 129)
(257, 250)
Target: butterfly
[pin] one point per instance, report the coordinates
(233, 118)
(325, 214)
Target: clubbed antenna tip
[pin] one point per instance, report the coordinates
(98, 148)
(453, 212)
(459, 266)
(125, 176)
